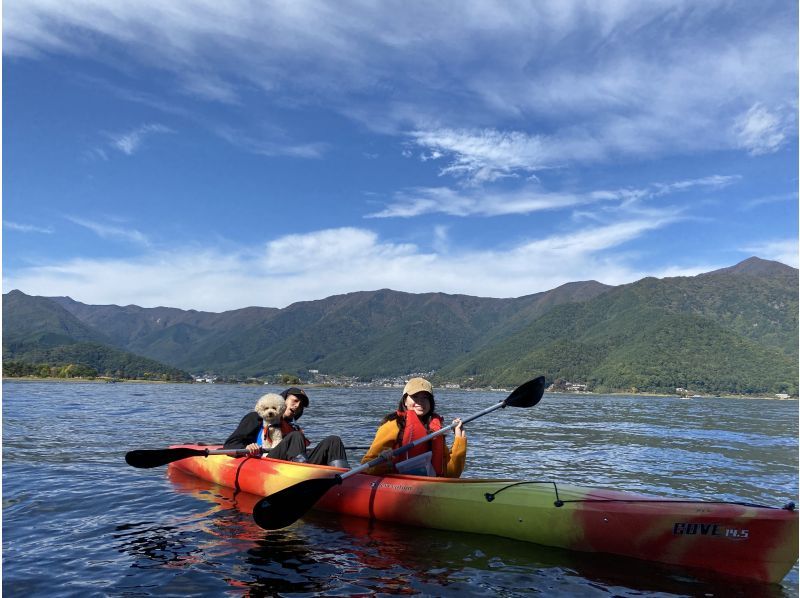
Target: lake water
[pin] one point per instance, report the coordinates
(78, 521)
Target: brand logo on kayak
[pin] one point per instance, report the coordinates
(709, 529)
(392, 486)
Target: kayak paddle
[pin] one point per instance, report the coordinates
(286, 506)
(146, 459)
(149, 458)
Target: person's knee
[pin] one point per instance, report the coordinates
(294, 438)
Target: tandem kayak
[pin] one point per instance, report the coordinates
(736, 539)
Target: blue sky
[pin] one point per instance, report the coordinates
(216, 155)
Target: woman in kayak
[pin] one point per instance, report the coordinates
(329, 451)
(415, 417)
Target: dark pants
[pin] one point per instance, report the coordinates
(293, 444)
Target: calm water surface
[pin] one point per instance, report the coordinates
(78, 521)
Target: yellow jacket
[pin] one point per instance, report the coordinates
(385, 438)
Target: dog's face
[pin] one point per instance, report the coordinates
(270, 413)
(270, 408)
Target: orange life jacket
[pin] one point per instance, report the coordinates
(414, 430)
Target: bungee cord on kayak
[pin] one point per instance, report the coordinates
(490, 496)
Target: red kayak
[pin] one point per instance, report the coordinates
(747, 541)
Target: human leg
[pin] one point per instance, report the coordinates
(291, 448)
(329, 451)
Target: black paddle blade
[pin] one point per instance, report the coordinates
(146, 459)
(288, 505)
(528, 394)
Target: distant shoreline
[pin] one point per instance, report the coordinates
(587, 394)
(87, 380)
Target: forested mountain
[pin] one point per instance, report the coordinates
(731, 330)
(40, 322)
(38, 331)
(367, 334)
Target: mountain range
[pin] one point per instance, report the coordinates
(733, 330)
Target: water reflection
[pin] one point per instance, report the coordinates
(153, 545)
(317, 556)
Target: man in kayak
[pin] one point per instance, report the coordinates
(329, 451)
(415, 417)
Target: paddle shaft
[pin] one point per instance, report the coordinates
(347, 448)
(147, 459)
(240, 451)
(407, 447)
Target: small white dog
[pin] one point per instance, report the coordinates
(270, 408)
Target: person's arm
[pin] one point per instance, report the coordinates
(245, 433)
(457, 455)
(384, 439)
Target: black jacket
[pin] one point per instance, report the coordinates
(246, 432)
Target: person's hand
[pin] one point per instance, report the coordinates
(253, 450)
(458, 428)
(387, 454)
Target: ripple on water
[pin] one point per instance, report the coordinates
(77, 520)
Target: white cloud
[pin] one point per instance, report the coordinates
(265, 146)
(586, 81)
(210, 87)
(130, 142)
(330, 248)
(568, 247)
(769, 199)
(110, 231)
(715, 181)
(26, 228)
(761, 131)
(430, 200)
(479, 156)
(485, 155)
(333, 261)
(781, 250)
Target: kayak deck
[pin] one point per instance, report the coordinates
(748, 541)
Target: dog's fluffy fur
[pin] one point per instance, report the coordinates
(270, 408)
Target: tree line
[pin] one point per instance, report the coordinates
(22, 369)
